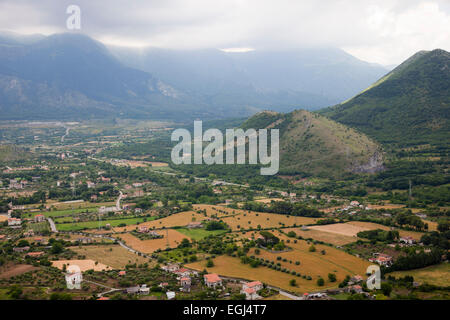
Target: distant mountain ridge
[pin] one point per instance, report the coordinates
(71, 76)
(276, 80)
(410, 105)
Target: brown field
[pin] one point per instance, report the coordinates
(174, 220)
(268, 200)
(351, 229)
(149, 246)
(210, 210)
(114, 256)
(328, 237)
(403, 233)
(265, 220)
(313, 264)
(3, 218)
(432, 226)
(83, 264)
(15, 270)
(137, 163)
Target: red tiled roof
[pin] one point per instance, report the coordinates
(253, 284)
(103, 298)
(250, 290)
(212, 278)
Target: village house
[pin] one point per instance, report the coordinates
(35, 254)
(21, 249)
(90, 184)
(144, 289)
(73, 277)
(182, 272)
(171, 267)
(355, 279)
(94, 197)
(212, 280)
(354, 288)
(122, 273)
(29, 233)
(185, 284)
(407, 240)
(194, 225)
(85, 240)
(382, 259)
(137, 210)
(142, 229)
(250, 289)
(138, 193)
(39, 218)
(14, 222)
(132, 290)
(170, 295)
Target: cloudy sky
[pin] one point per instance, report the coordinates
(381, 31)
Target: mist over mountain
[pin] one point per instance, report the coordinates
(71, 76)
(279, 80)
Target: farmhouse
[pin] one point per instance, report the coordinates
(14, 222)
(182, 272)
(73, 277)
(142, 229)
(185, 284)
(171, 267)
(407, 240)
(212, 280)
(35, 254)
(194, 225)
(85, 240)
(21, 249)
(132, 290)
(144, 289)
(103, 209)
(250, 290)
(382, 260)
(39, 218)
(122, 273)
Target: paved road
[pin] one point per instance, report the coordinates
(118, 207)
(52, 225)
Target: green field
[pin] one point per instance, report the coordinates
(61, 213)
(438, 275)
(198, 234)
(95, 224)
(39, 227)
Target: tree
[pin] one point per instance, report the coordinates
(332, 277)
(57, 248)
(293, 283)
(210, 263)
(312, 248)
(320, 282)
(386, 288)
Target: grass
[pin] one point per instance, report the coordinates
(102, 223)
(198, 234)
(149, 246)
(438, 275)
(39, 226)
(114, 256)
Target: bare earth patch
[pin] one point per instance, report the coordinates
(83, 264)
(15, 270)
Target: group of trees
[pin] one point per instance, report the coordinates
(379, 235)
(283, 207)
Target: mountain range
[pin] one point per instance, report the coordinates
(409, 106)
(71, 76)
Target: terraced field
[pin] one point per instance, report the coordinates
(149, 246)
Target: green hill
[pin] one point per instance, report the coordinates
(408, 106)
(311, 144)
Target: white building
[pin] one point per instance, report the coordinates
(73, 277)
